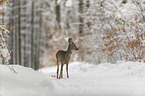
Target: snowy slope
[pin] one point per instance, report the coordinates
(26, 82)
(121, 79)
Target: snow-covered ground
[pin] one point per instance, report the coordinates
(26, 82)
(121, 79)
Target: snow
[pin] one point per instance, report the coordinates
(4, 52)
(120, 79)
(58, 2)
(26, 82)
(68, 3)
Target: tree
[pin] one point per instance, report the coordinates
(110, 33)
(27, 38)
(4, 52)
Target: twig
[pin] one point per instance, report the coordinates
(11, 69)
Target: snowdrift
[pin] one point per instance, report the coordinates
(26, 82)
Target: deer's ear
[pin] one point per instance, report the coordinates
(69, 40)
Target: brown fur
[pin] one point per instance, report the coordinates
(63, 57)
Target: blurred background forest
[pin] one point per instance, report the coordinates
(103, 30)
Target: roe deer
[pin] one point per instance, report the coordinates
(63, 57)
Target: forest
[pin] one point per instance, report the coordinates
(109, 36)
(104, 30)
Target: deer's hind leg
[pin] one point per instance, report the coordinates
(61, 70)
(67, 70)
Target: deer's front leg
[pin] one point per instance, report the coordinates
(67, 70)
(57, 69)
(61, 75)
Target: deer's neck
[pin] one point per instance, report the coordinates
(69, 50)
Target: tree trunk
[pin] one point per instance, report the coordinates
(11, 23)
(32, 35)
(58, 15)
(19, 33)
(81, 5)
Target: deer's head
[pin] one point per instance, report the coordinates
(72, 44)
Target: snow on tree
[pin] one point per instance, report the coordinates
(95, 23)
(4, 52)
(124, 40)
(114, 30)
(104, 30)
